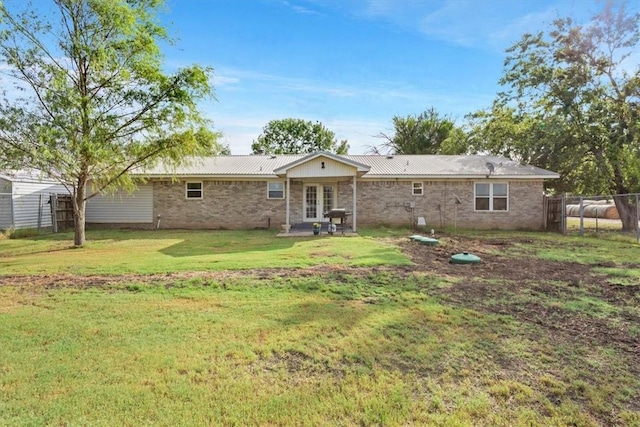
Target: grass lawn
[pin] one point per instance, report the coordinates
(193, 328)
(162, 251)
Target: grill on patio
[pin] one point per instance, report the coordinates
(335, 214)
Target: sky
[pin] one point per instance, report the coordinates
(350, 64)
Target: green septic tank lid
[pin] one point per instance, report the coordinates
(415, 237)
(427, 241)
(465, 258)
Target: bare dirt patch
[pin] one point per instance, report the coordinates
(537, 291)
(494, 265)
(496, 285)
(426, 259)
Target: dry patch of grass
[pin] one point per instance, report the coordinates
(537, 334)
(348, 346)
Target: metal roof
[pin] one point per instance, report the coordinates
(448, 166)
(227, 166)
(381, 166)
(24, 175)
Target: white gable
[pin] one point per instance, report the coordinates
(321, 167)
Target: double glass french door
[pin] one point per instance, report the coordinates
(318, 199)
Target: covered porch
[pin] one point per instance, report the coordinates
(323, 182)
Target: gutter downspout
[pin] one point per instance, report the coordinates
(288, 226)
(355, 211)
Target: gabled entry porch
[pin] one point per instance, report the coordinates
(327, 182)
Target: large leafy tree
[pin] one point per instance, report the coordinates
(89, 99)
(572, 103)
(534, 139)
(426, 133)
(295, 136)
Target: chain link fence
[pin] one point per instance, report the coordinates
(602, 214)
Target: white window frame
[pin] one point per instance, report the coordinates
(269, 190)
(491, 197)
(334, 195)
(187, 190)
(414, 188)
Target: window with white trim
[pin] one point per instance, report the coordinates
(193, 190)
(275, 190)
(491, 196)
(417, 188)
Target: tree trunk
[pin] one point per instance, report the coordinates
(627, 212)
(79, 205)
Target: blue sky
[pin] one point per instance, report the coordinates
(350, 64)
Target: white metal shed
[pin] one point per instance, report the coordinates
(24, 199)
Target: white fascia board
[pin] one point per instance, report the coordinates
(492, 177)
(178, 177)
(366, 177)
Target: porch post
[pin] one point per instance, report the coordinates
(288, 198)
(355, 212)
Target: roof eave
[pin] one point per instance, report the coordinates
(476, 176)
(203, 176)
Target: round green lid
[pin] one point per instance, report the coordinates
(465, 258)
(427, 241)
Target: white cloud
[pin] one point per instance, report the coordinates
(469, 23)
(495, 25)
(221, 80)
(356, 112)
(300, 9)
(361, 134)
(509, 33)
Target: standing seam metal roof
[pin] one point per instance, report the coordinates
(381, 166)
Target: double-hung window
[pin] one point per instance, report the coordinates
(193, 190)
(275, 190)
(417, 188)
(492, 196)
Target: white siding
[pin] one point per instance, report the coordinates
(122, 207)
(6, 213)
(5, 186)
(30, 203)
(314, 169)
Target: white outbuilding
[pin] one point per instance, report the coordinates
(24, 199)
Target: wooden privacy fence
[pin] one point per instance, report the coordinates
(554, 214)
(61, 212)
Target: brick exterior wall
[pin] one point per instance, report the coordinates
(224, 204)
(390, 202)
(244, 204)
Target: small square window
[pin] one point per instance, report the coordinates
(417, 188)
(194, 190)
(275, 190)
